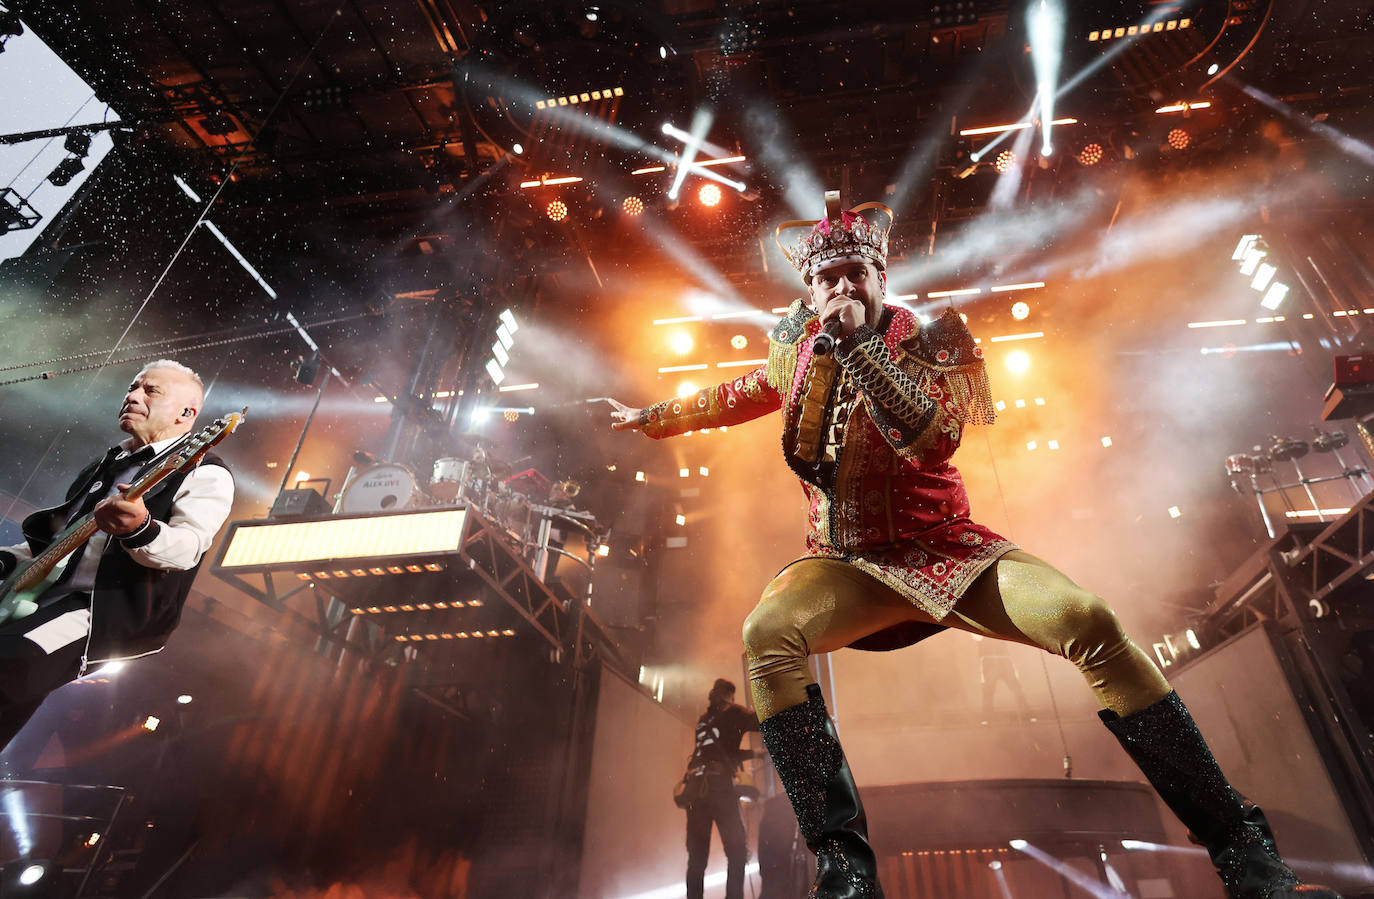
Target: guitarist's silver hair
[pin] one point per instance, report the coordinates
(177, 367)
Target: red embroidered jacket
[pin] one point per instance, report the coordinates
(870, 432)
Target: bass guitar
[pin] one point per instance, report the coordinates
(19, 592)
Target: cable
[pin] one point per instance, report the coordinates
(224, 181)
(45, 146)
(164, 342)
(49, 375)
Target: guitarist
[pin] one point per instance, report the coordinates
(120, 595)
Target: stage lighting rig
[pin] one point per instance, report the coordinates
(15, 212)
(541, 66)
(66, 170)
(78, 143)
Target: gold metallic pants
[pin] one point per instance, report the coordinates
(820, 605)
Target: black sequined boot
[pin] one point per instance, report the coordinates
(1165, 742)
(806, 752)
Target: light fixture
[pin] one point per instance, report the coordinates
(78, 143)
(1246, 242)
(1005, 160)
(681, 343)
(1018, 362)
(709, 195)
(1020, 310)
(1179, 139)
(1273, 298)
(1263, 275)
(557, 211)
(517, 149)
(66, 170)
(184, 699)
(151, 722)
(1090, 154)
(686, 389)
(739, 341)
(632, 206)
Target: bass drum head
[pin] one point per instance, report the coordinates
(381, 488)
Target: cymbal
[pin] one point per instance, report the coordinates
(1328, 441)
(1286, 449)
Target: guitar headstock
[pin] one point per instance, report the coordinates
(185, 455)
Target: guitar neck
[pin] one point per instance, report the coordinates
(182, 456)
(77, 533)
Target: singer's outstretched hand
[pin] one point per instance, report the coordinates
(623, 417)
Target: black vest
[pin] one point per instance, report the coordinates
(136, 608)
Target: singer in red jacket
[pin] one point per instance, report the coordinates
(893, 555)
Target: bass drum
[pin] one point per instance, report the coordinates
(381, 488)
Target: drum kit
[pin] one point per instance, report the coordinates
(530, 509)
(1260, 461)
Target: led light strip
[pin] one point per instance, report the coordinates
(1106, 34)
(581, 97)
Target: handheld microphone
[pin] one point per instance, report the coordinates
(825, 341)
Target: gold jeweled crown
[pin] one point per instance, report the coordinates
(843, 234)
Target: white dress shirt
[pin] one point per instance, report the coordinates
(199, 509)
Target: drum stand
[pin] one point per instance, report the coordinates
(1288, 450)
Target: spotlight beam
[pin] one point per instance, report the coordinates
(1347, 144)
(687, 161)
(714, 149)
(701, 124)
(1046, 21)
(1009, 182)
(1070, 873)
(802, 187)
(608, 132)
(1084, 73)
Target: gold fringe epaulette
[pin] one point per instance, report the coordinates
(972, 394)
(783, 343)
(946, 347)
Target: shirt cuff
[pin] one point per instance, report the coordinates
(141, 536)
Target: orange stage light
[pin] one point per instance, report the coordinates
(557, 211)
(709, 195)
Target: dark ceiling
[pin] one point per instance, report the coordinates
(368, 112)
